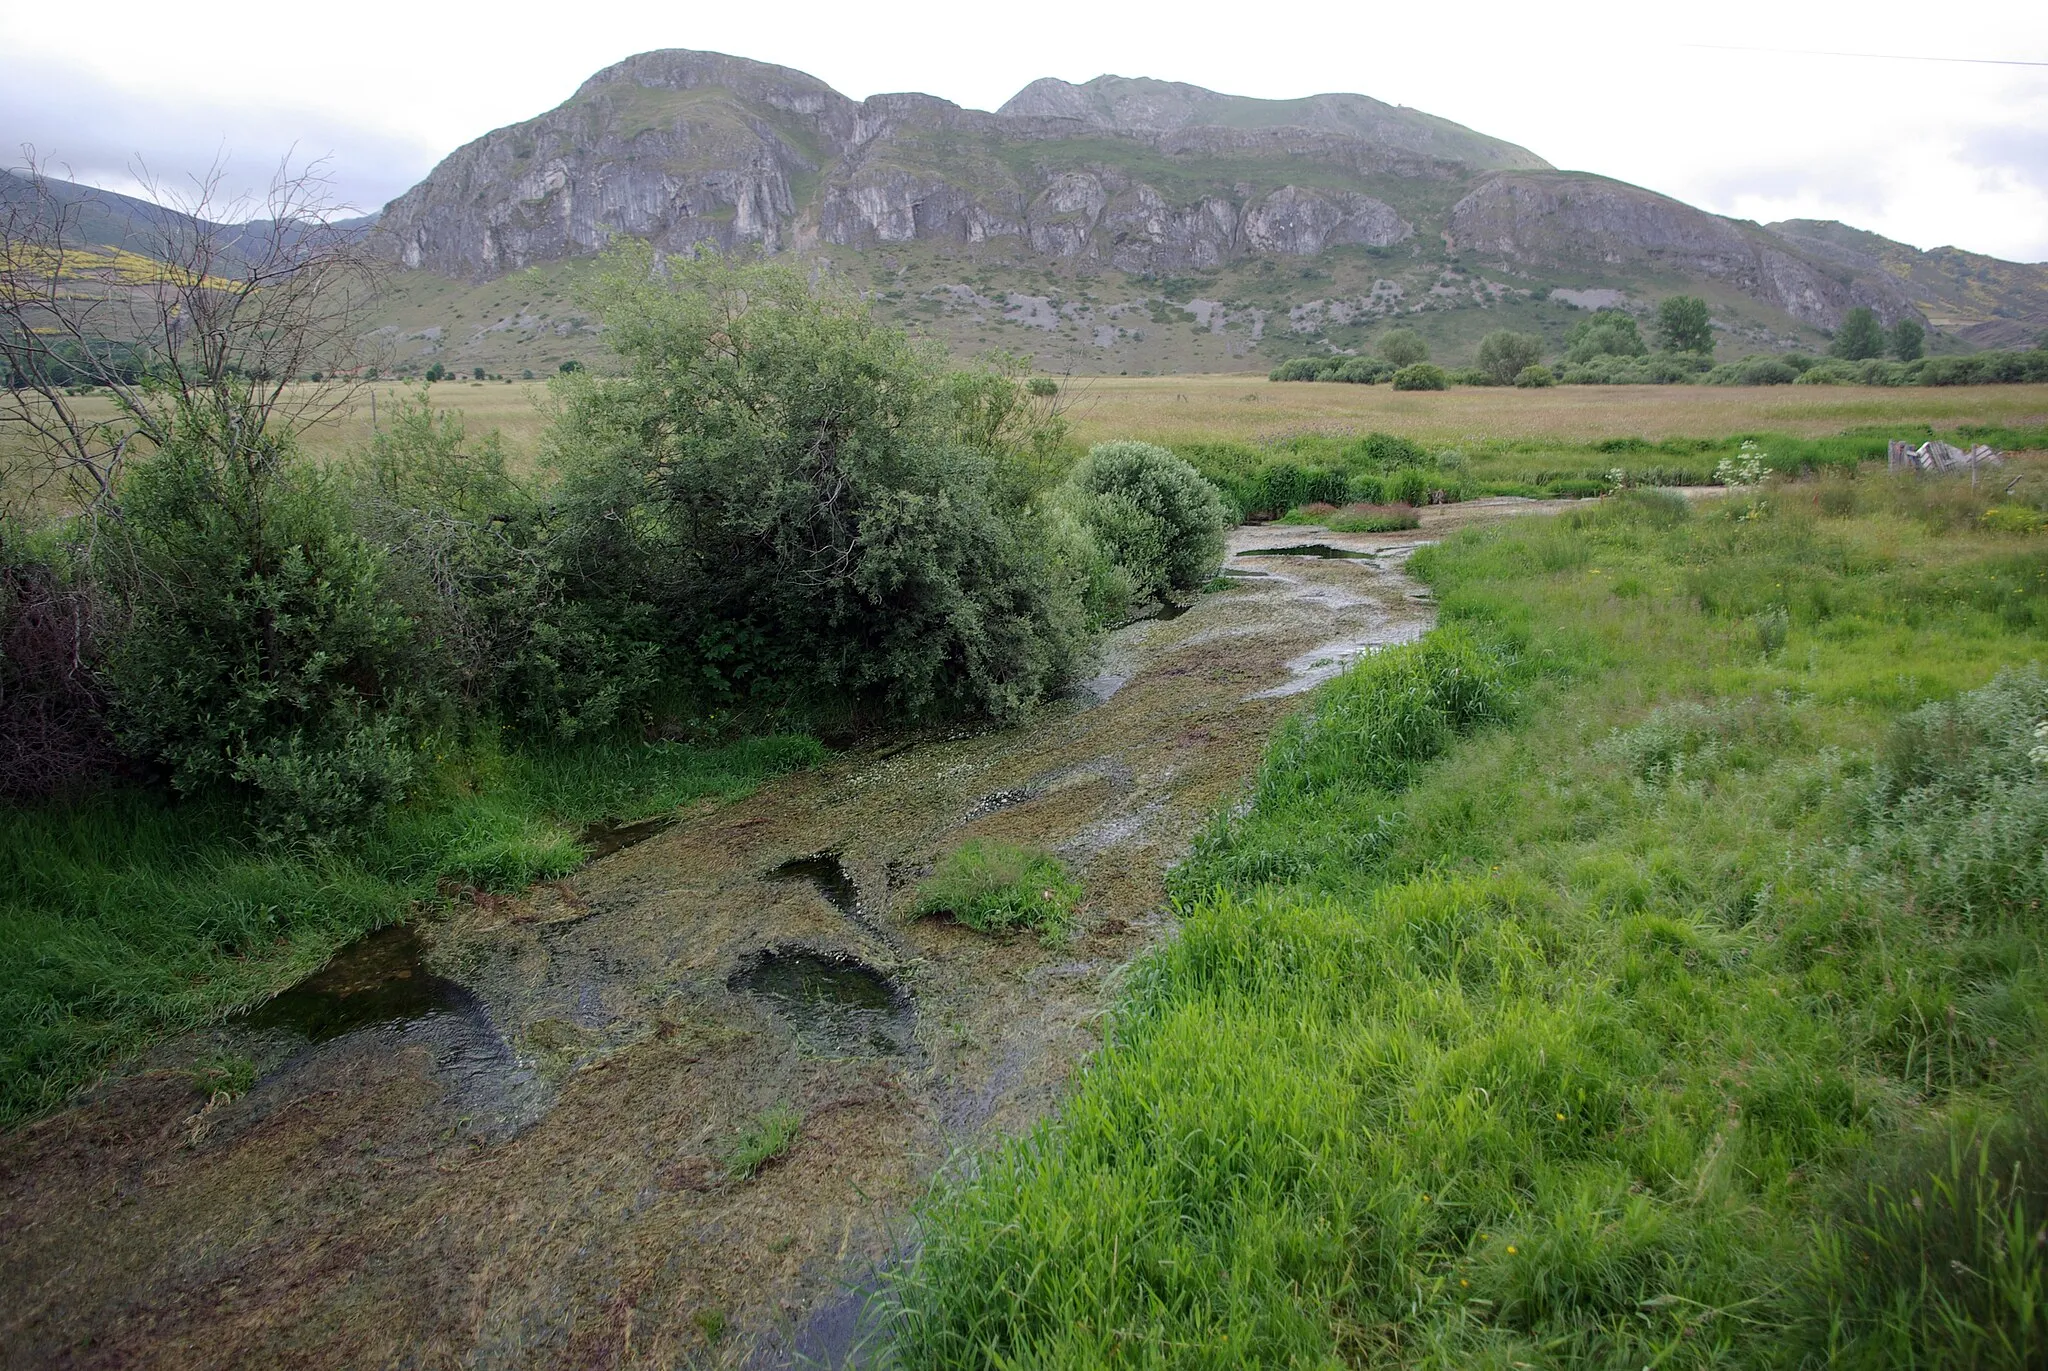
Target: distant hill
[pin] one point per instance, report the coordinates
(123, 223)
(1118, 225)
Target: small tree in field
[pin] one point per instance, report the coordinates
(476, 373)
(1403, 347)
(1684, 325)
(1908, 340)
(437, 372)
(1860, 337)
(1504, 354)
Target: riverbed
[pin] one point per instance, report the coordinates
(506, 1136)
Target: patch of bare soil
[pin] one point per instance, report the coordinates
(511, 1136)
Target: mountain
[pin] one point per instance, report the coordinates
(108, 220)
(687, 147)
(1121, 224)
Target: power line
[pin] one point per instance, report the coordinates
(1873, 56)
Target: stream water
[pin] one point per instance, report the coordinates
(494, 1140)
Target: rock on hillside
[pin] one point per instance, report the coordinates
(688, 147)
(1555, 219)
(1981, 300)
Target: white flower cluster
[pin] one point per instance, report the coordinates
(1745, 468)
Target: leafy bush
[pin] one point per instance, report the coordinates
(1403, 347)
(1470, 376)
(1505, 355)
(1155, 515)
(1759, 370)
(1044, 387)
(788, 504)
(1660, 369)
(1300, 369)
(1421, 376)
(254, 647)
(1363, 371)
(1535, 376)
(994, 887)
(1389, 451)
(1608, 333)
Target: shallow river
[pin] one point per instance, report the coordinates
(496, 1140)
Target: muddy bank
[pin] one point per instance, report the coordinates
(506, 1138)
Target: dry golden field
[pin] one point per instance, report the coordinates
(1254, 410)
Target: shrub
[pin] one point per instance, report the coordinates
(1153, 513)
(254, 649)
(788, 503)
(476, 373)
(1421, 376)
(1608, 333)
(1470, 376)
(1044, 387)
(1300, 369)
(1505, 355)
(994, 887)
(1536, 376)
(437, 372)
(570, 367)
(1364, 371)
(526, 375)
(1755, 371)
(1388, 451)
(1403, 347)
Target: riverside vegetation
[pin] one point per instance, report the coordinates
(256, 705)
(1643, 969)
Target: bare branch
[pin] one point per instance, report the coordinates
(215, 312)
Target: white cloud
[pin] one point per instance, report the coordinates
(1922, 152)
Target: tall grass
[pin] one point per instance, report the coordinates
(1554, 987)
(125, 917)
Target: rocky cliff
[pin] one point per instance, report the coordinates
(686, 147)
(1554, 218)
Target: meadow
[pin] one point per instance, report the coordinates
(1249, 409)
(1645, 969)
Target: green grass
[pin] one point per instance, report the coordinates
(766, 1137)
(995, 887)
(126, 918)
(1584, 985)
(1355, 518)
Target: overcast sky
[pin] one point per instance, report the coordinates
(1925, 152)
